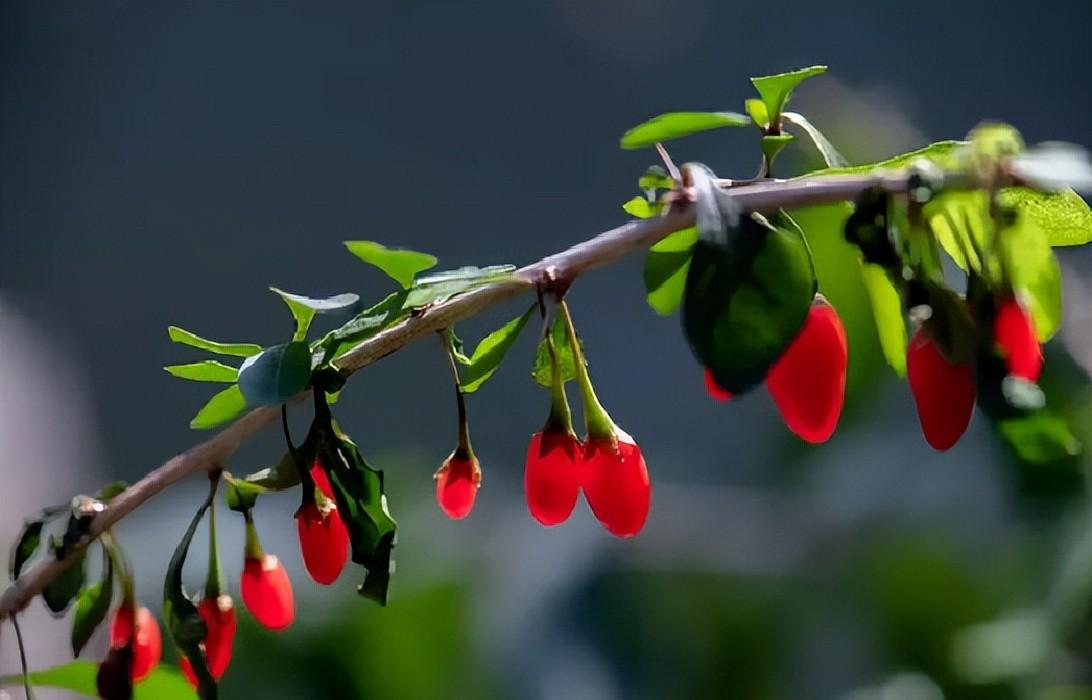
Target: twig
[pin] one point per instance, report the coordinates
(601, 250)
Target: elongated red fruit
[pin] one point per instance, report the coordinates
(457, 483)
(808, 382)
(220, 621)
(324, 541)
(267, 592)
(551, 479)
(144, 632)
(616, 484)
(1014, 333)
(715, 390)
(943, 392)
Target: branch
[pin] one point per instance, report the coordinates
(566, 265)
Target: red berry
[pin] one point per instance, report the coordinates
(808, 382)
(943, 392)
(715, 390)
(457, 483)
(267, 592)
(551, 480)
(324, 541)
(318, 475)
(616, 484)
(146, 640)
(1014, 333)
(220, 621)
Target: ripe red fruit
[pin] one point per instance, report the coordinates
(267, 592)
(220, 621)
(1014, 333)
(457, 483)
(324, 541)
(943, 392)
(551, 480)
(808, 382)
(616, 484)
(146, 641)
(715, 390)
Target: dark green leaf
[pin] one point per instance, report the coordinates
(434, 288)
(748, 290)
(362, 504)
(184, 337)
(205, 371)
(221, 408)
(280, 477)
(675, 125)
(887, 312)
(304, 308)
(91, 607)
(489, 353)
(641, 208)
(1039, 437)
(400, 264)
(25, 547)
(775, 90)
(565, 361)
(276, 375)
(364, 325)
(830, 154)
(184, 623)
(164, 683)
(61, 591)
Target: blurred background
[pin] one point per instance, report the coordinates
(164, 163)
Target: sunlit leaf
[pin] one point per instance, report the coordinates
(756, 110)
(442, 285)
(655, 178)
(641, 208)
(775, 90)
(1035, 274)
(1063, 216)
(565, 361)
(205, 371)
(675, 125)
(276, 375)
(942, 153)
(304, 308)
(830, 154)
(773, 144)
(221, 408)
(364, 325)
(887, 311)
(163, 683)
(400, 264)
(665, 279)
(489, 353)
(184, 337)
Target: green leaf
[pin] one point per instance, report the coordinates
(184, 624)
(25, 547)
(184, 337)
(775, 90)
(565, 361)
(748, 290)
(400, 264)
(942, 153)
(887, 312)
(1039, 437)
(666, 266)
(962, 225)
(164, 683)
(205, 371)
(241, 494)
(491, 351)
(1064, 216)
(442, 285)
(756, 110)
(1035, 274)
(276, 375)
(61, 591)
(280, 477)
(830, 154)
(304, 308)
(91, 607)
(655, 178)
(363, 326)
(641, 208)
(772, 145)
(362, 504)
(111, 490)
(221, 408)
(675, 125)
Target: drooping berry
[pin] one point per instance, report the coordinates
(551, 480)
(616, 483)
(324, 541)
(715, 390)
(457, 483)
(142, 631)
(943, 392)
(1014, 333)
(267, 592)
(220, 621)
(808, 382)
